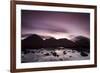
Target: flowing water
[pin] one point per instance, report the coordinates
(46, 55)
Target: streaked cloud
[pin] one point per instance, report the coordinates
(55, 24)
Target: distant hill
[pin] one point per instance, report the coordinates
(50, 43)
(66, 43)
(83, 43)
(36, 42)
(33, 41)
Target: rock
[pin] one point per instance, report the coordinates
(42, 52)
(25, 52)
(64, 52)
(70, 56)
(61, 59)
(47, 54)
(33, 52)
(73, 51)
(69, 51)
(83, 54)
(55, 54)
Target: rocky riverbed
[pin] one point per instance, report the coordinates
(45, 55)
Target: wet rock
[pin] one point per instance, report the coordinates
(32, 52)
(73, 51)
(70, 56)
(38, 52)
(55, 54)
(69, 51)
(61, 59)
(47, 54)
(26, 52)
(64, 52)
(83, 54)
(41, 52)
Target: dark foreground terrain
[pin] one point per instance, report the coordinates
(45, 55)
(35, 49)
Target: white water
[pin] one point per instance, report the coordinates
(38, 55)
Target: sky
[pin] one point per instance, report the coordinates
(55, 24)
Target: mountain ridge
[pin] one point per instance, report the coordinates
(35, 41)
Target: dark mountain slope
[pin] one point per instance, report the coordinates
(32, 42)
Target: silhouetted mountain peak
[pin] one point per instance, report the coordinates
(82, 42)
(46, 37)
(51, 38)
(64, 39)
(33, 37)
(81, 38)
(35, 41)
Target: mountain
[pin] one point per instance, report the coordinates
(83, 43)
(50, 43)
(66, 43)
(33, 41)
(36, 42)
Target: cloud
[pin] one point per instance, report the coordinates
(52, 23)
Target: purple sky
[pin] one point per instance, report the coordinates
(55, 24)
